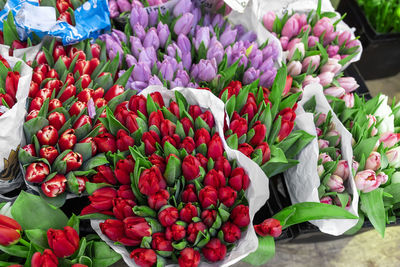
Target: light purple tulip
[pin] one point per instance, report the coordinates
(271, 50)
(163, 33)
(335, 91)
(250, 75)
(136, 46)
(335, 184)
(183, 76)
(202, 36)
(136, 3)
(148, 56)
(139, 31)
(294, 68)
(153, 18)
(154, 80)
(167, 70)
(182, 7)
(196, 16)
(267, 78)
(326, 78)
(329, 37)
(113, 7)
(119, 34)
(216, 50)
(218, 20)
(205, 70)
(130, 60)
(228, 36)
(310, 60)
(256, 59)
(124, 5)
(151, 39)
(173, 50)
(291, 28)
(184, 24)
(348, 83)
(268, 20)
(141, 72)
(187, 60)
(206, 19)
(184, 44)
(139, 15)
(138, 85)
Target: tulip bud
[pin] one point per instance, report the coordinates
(215, 148)
(240, 215)
(227, 196)
(136, 228)
(105, 142)
(342, 169)
(291, 28)
(30, 149)
(348, 83)
(326, 78)
(102, 198)
(190, 167)
(189, 258)
(223, 165)
(393, 156)
(9, 231)
(326, 200)
(215, 179)
(151, 181)
(193, 229)
(231, 232)
(144, 256)
(168, 216)
(373, 161)
(160, 243)
(269, 227)
(348, 99)
(37, 172)
(389, 139)
(323, 144)
(188, 212)
(47, 136)
(208, 196)
(63, 242)
(366, 181)
(189, 194)
(46, 259)
(335, 91)
(382, 178)
(214, 250)
(268, 20)
(122, 208)
(335, 184)
(158, 200)
(150, 139)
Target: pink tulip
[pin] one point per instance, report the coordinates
(335, 183)
(354, 165)
(348, 99)
(366, 181)
(320, 170)
(332, 50)
(324, 157)
(268, 20)
(324, 25)
(348, 83)
(292, 43)
(334, 133)
(332, 65)
(382, 177)
(291, 28)
(389, 139)
(294, 68)
(326, 78)
(312, 41)
(393, 156)
(313, 60)
(326, 200)
(301, 19)
(342, 169)
(310, 80)
(321, 119)
(299, 47)
(323, 143)
(334, 91)
(373, 161)
(344, 37)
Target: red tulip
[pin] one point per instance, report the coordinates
(85, 95)
(49, 152)
(37, 172)
(189, 194)
(215, 179)
(269, 227)
(193, 229)
(9, 231)
(231, 232)
(233, 88)
(56, 119)
(138, 103)
(287, 114)
(208, 196)
(158, 161)
(239, 179)
(260, 132)
(63, 242)
(286, 129)
(104, 175)
(33, 89)
(114, 91)
(123, 169)
(124, 141)
(239, 126)
(202, 136)
(74, 160)
(52, 73)
(130, 122)
(214, 250)
(174, 109)
(38, 77)
(168, 216)
(188, 212)
(85, 81)
(150, 139)
(36, 103)
(44, 93)
(157, 98)
(54, 85)
(215, 147)
(102, 198)
(125, 192)
(73, 52)
(30, 149)
(250, 108)
(265, 150)
(167, 128)
(122, 208)
(227, 196)
(12, 83)
(190, 167)
(170, 140)
(175, 232)
(41, 58)
(203, 160)
(144, 257)
(188, 144)
(223, 165)
(208, 217)
(136, 228)
(59, 49)
(67, 61)
(155, 118)
(194, 111)
(55, 186)
(151, 181)
(114, 230)
(105, 142)
(54, 103)
(240, 215)
(158, 200)
(189, 258)
(246, 149)
(160, 243)
(69, 91)
(95, 49)
(187, 124)
(81, 183)
(66, 17)
(47, 259)
(91, 141)
(84, 119)
(208, 118)
(44, 68)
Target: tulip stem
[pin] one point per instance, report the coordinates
(24, 242)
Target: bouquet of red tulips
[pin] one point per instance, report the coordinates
(176, 192)
(327, 161)
(14, 86)
(68, 94)
(26, 238)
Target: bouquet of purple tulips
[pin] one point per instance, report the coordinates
(185, 47)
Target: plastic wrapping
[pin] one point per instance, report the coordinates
(257, 193)
(303, 180)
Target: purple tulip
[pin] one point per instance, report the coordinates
(113, 7)
(216, 50)
(173, 50)
(248, 36)
(163, 33)
(139, 15)
(184, 44)
(167, 70)
(148, 56)
(250, 75)
(256, 58)
(196, 16)
(184, 24)
(228, 36)
(172, 61)
(205, 70)
(187, 60)
(154, 80)
(218, 20)
(291, 28)
(136, 3)
(181, 79)
(202, 36)
(124, 5)
(267, 78)
(271, 50)
(130, 60)
(153, 18)
(192, 85)
(119, 34)
(182, 7)
(151, 39)
(139, 31)
(240, 30)
(136, 46)
(138, 85)
(141, 72)
(206, 20)
(267, 64)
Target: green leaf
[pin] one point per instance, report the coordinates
(91, 187)
(265, 251)
(98, 160)
(308, 211)
(365, 148)
(84, 149)
(15, 250)
(29, 210)
(277, 90)
(9, 30)
(38, 237)
(32, 126)
(104, 255)
(372, 206)
(57, 201)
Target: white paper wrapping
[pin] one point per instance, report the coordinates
(303, 180)
(280, 7)
(257, 194)
(11, 125)
(29, 52)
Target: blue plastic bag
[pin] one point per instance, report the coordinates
(14, 6)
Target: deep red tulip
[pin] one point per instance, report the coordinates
(208, 118)
(208, 196)
(286, 129)
(136, 228)
(174, 109)
(63, 242)
(240, 215)
(239, 179)
(101, 199)
(84, 119)
(203, 160)
(130, 122)
(158, 200)
(160, 243)
(55, 186)
(188, 212)
(187, 125)
(30, 149)
(12, 83)
(215, 147)
(37, 172)
(231, 232)
(33, 89)
(104, 175)
(9, 231)
(190, 167)
(125, 192)
(260, 133)
(194, 111)
(239, 126)
(76, 108)
(123, 169)
(175, 232)
(265, 150)
(105, 142)
(222, 164)
(269, 227)
(156, 118)
(38, 77)
(113, 229)
(138, 103)
(59, 49)
(124, 141)
(227, 196)
(170, 140)
(66, 17)
(193, 229)
(189, 258)
(202, 136)
(188, 144)
(47, 259)
(114, 91)
(214, 250)
(215, 179)
(250, 108)
(144, 257)
(73, 52)
(167, 128)
(189, 194)
(233, 88)
(208, 217)
(74, 160)
(158, 161)
(151, 181)
(44, 68)
(287, 114)
(49, 152)
(157, 98)
(122, 208)
(85, 95)
(246, 149)
(69, 91)
(150, 139)
(67, 61)
(168, 216)
(56, 119)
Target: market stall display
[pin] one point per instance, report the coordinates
(184, 132)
